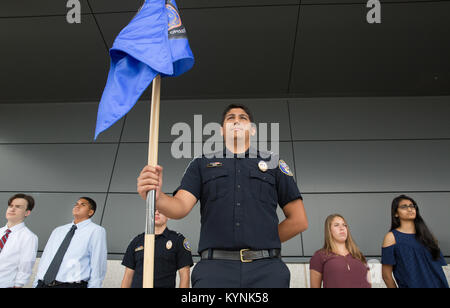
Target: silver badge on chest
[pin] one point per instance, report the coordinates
(262, 165)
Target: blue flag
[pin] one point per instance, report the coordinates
(154, 42)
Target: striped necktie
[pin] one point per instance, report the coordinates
(4, 239)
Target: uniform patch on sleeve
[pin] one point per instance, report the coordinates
(186, 245)
(284, 168)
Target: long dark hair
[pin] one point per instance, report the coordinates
(423, 234)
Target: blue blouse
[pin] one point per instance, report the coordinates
(413, 264)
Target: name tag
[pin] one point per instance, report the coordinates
(215, 164)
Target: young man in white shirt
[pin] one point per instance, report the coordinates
(75, 255)
(18, 245)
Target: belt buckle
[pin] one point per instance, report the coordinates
(53, 283)
(241, 253)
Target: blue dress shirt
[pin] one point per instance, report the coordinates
(85, 259)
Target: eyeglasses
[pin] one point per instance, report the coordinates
(404, 207)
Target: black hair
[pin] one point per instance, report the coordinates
(92, 204)
(423, 234)
(30, 200)
(243, 107)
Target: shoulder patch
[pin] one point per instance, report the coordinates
(284, 168)
(186, 245)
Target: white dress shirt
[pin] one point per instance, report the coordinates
(18, 256)
(85, 258)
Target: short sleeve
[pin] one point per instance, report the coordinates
(441, 260)
(191, 181)
(128, 258)
(184, 256)
(388, 255)
(287, 189)
(317, 261)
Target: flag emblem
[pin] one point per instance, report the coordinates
(174, 17)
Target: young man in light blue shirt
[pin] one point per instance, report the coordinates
(75, 255)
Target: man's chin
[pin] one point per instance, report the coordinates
(11, 218)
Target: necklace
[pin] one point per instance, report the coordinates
(345, 258)
(346, 261)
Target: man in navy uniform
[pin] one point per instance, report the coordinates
(240, 237)
(172, 254)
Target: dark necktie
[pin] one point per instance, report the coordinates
(53, 269)
(4, 239)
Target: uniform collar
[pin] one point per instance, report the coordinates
(165, 233)
(251, 152)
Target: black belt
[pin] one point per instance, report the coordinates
(243, 255)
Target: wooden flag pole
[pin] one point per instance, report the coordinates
(149, 244)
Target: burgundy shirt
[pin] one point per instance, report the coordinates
(339, 271)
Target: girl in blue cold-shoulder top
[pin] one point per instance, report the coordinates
(410, 251)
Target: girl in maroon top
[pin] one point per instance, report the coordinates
(340, 263)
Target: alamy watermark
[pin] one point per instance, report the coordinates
(190, 142)
(374, 14)
(74, 14)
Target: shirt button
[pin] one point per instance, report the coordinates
(239, 186)
(238, 224)
(238, 204)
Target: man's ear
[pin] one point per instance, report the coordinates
(27, 213)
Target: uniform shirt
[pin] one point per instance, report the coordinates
(85, 258)
(239, 198)
(18, 256)
(172, 252)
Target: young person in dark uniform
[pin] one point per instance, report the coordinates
(239, 189)
(172, 254)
